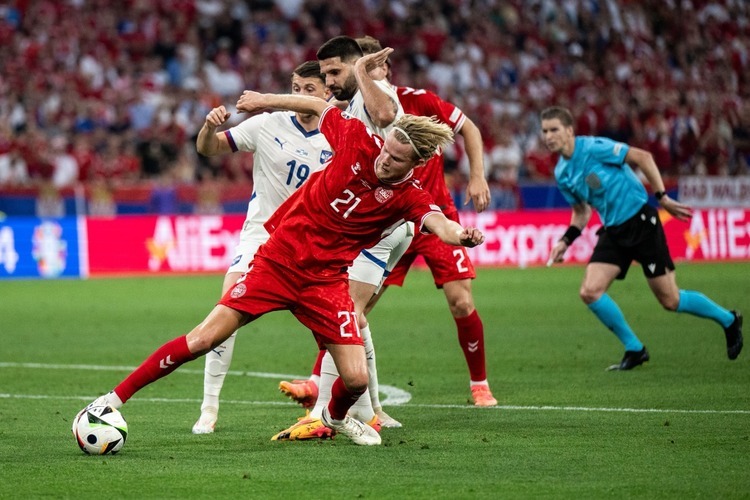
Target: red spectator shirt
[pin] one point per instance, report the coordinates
(344, 207)
(422, 102)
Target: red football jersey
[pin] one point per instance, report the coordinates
(343, 208)
(425, 103)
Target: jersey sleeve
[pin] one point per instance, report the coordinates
(344, 131)
(607, 151)
(244, 137)
(445, 112)
(422, 207)
(430, 104)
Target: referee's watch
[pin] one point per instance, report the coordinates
(659, 195)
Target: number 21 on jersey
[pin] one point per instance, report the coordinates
(349, 200)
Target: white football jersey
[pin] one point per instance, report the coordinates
(358, 110)
(285, 155)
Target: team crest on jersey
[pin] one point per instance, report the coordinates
(383, 195)
(239, 290)
(325, 155)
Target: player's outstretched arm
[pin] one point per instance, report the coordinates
(253, 102)
(452, 232)
(208, 142)
(380, 106)
(477, 190)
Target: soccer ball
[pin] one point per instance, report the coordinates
(100, 430)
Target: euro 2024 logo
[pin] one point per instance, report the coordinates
(49, 251)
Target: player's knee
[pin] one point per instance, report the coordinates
(198, 344)
(461, 306)
(356, 382)
(589, 295)
(669, 302)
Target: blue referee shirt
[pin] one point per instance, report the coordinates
(598, 175)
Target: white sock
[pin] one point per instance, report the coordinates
(472, 383)
(373, 387)
(114, 400)
(328, 375)
(217, 366)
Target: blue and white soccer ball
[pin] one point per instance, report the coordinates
(100, 430)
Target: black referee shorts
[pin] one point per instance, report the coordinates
(640, 238)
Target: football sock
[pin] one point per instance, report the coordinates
(697, 304)
(218, 360)
(341, 399)
(471, 338)
(328, 374)
(162, 362)
(372, 384)
(114, 400)
(610, 314)
(315, 375)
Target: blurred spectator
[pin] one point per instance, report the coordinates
(504, 159)
(741, 140)
(49, 203)
(101, 202)
(65, 173)
(13, 171)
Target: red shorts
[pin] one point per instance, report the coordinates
(447, 262)
(322, 304)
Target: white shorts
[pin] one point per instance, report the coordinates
(251, 238)
(373, 265)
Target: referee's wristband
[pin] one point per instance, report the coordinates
(570, 235)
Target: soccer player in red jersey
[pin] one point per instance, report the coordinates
(451, 267)
(366, 190)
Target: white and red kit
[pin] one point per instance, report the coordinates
(320, 229)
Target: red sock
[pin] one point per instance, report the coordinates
(318, 362)
(162, 362)
(471, 338)
(341, 399)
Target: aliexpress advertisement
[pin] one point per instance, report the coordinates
(82, 247)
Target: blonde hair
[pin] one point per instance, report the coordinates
(425, 134)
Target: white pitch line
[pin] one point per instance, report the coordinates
(393, 396)
(441, 407)
(588, 409)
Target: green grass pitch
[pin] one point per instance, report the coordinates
(677, 427)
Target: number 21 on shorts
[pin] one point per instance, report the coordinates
(348, 326)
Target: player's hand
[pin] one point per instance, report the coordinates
(470, 237)
(675, 208)
(478, 191)
(217, 117)
(557, 253)
(250, 102)
(373, 61)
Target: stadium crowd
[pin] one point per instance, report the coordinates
(110, 94)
